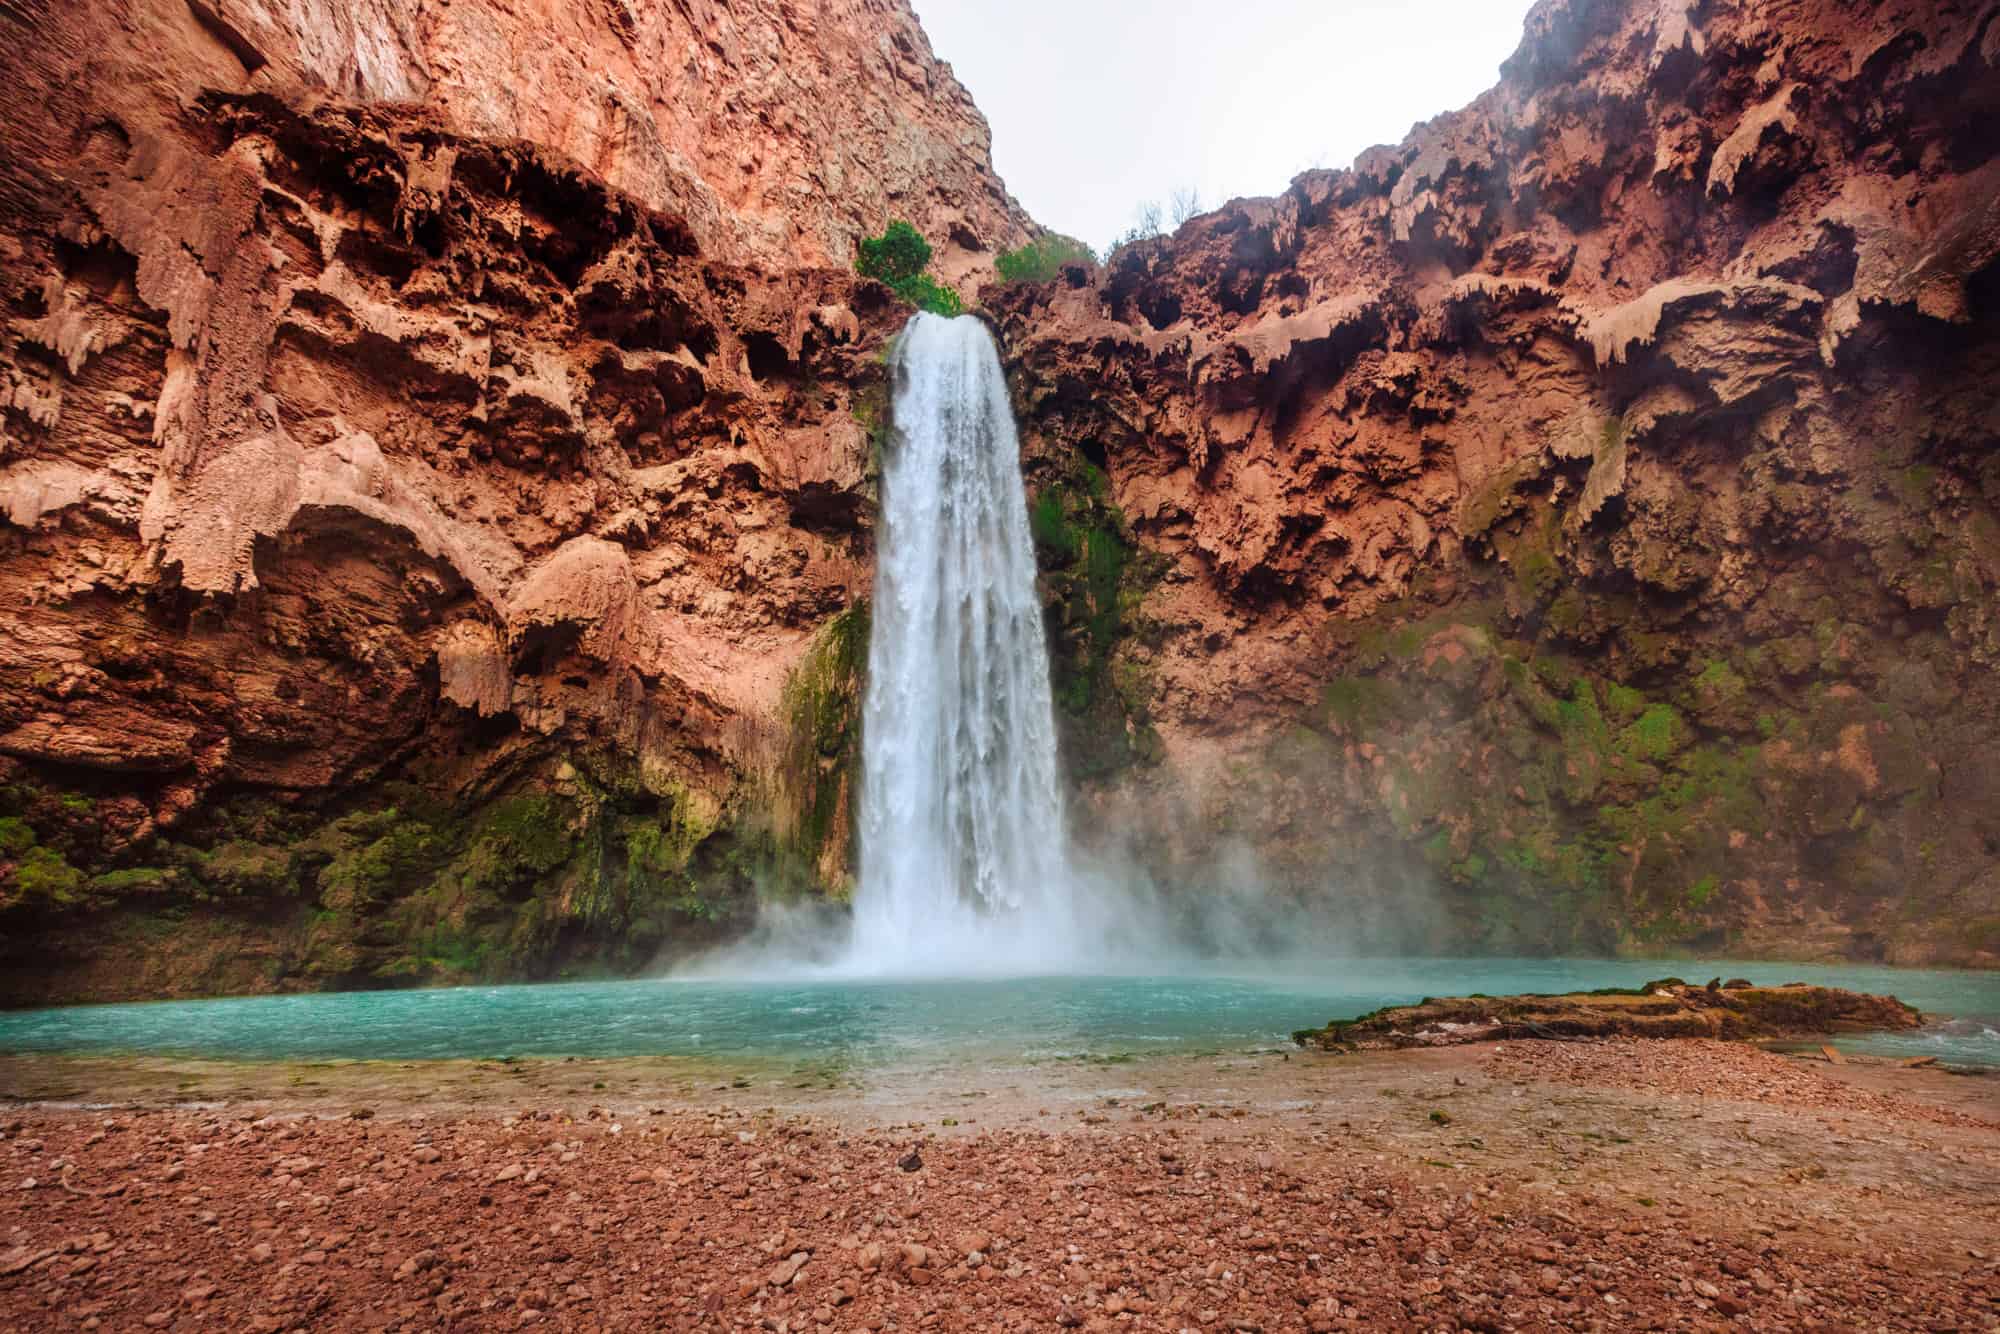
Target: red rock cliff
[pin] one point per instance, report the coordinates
(436, 480)
(433, 433)
(1578, 526)
(779, 131)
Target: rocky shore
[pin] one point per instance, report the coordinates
(1668, 1008)
(1529, 1185)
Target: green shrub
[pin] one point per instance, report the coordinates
(926, 293)
(897, 259)
(1042, 258)
(897, 255)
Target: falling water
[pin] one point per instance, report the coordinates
(963, 862)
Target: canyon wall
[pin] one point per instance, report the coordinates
(437, 489)
(434, 436)
(1575, 528)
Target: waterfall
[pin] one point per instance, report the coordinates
(964, 865)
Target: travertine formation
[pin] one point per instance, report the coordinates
(432, 434)
(1576, 526)
(437, 470)
(1669, 1008)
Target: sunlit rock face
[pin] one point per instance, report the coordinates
(779, 132)
(1574, 527)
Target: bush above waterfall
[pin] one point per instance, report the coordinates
(1041, 259)
(898, 259)
(898, 254)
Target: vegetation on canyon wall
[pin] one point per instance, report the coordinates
(589, 867)
(591, 874)
(1040, 260)
(900, 259)
(814, 782)
(1093, 578)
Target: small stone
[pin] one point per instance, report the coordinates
(511, 1172)
(18, 1259)
(911, 1161)
(424, 1153)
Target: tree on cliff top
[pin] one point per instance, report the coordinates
(897, 258)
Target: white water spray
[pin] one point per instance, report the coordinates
(964, 865)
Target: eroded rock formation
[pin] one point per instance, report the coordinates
(1669, 1008)
(433, 433)
(1576, 526)
(436, 480)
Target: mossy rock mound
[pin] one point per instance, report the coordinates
(1669, 1008)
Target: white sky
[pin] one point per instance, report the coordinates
(1098, 105)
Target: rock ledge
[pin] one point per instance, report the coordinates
(1669, 1008)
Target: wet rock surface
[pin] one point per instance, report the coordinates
(1318, 1195)
(1668, 1008)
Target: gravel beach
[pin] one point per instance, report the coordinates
(1602, 1185)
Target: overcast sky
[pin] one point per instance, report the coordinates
(1098, 105)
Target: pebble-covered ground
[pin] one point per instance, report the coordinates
(1707, 1069)
(1153, 1217)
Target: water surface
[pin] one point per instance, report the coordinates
(917, 1024)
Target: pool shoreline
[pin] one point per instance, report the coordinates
(889, 1024)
